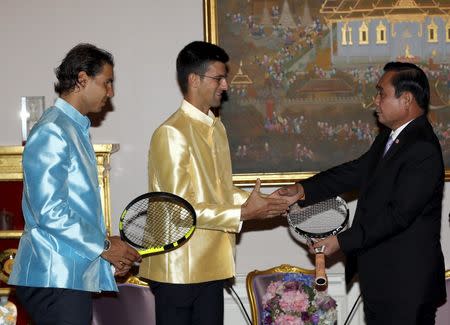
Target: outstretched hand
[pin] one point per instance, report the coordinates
(294, 191)
(260, 207)
(291, 195)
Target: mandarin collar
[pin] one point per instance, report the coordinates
(73, 113)
(197, 114)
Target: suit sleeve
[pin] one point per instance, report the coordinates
(333, 182)
(170, 171)
(343, 178)
(417, 191)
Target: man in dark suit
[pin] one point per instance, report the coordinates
(394, 241)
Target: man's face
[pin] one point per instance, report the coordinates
(389, 109)
(97, 90)
(213, 84)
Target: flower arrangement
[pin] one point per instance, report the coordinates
(294, 301)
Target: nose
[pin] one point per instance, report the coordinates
(376, 99)
(110, 92)
(224, 84)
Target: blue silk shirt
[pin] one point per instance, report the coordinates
(189, 156)
(64, 228)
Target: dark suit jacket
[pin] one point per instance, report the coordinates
(394, 241)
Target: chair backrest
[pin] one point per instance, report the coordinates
(443, 312)
(285, 293)
(134, 304)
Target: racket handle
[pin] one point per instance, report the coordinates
(321, 277)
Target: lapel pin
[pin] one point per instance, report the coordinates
(397, 141)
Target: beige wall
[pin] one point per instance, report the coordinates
(145, 37)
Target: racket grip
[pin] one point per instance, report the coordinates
(321, 277)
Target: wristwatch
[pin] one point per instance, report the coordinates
(106, 245)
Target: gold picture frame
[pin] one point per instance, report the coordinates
(295, 105)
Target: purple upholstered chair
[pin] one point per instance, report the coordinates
(134, 304)
(285, 292)
(443, 312)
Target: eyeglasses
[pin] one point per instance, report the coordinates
(219, 79)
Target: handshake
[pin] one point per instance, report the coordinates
(260, 206)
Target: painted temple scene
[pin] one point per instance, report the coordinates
(303, 74)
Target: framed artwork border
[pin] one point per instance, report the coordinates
(211, 34)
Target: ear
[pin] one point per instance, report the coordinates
(407, 99)
(83, 79)
(193, 80)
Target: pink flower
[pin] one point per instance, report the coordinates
(271, 291)
(273, 287)
(288, 320)
(295, 301)
(324, 301)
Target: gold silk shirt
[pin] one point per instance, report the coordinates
(189, 156)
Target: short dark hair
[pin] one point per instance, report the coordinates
(83, 57)
(196, 58)
(409, 77)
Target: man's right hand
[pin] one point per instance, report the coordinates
(292, 190)
(260, 207)
(121, 255)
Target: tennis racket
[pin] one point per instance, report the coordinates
(320, 220)
(157, 222)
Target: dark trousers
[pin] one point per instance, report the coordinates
(399, 313)
(51, 306)
(188, 304)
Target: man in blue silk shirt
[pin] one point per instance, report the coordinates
(64, 253)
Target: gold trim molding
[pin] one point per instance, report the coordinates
(270, 179)
(11, 170)
(210, 21)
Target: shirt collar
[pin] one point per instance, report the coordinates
(394, 133)
(197, 114)
(73, 113)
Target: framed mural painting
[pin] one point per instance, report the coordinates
(302, 77)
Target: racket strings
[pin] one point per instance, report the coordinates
(150, 223)
(319, 218)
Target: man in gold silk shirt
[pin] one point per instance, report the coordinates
(189, 156)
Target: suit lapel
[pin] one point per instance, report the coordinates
(376, 155)
(408, 135)
(403, 139)
(396, 145)
(378, 150)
